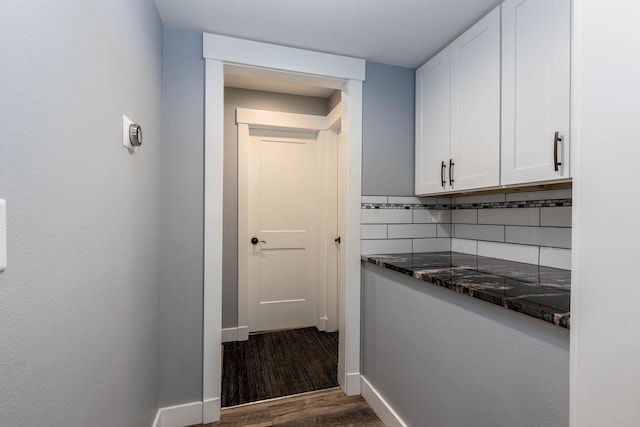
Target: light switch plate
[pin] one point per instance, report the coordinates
(126, 121)
(3, 235)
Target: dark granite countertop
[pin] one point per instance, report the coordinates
(537, 291)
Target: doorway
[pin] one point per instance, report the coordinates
(287, 253)
(322, 69)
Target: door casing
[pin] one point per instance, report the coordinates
(320, 69)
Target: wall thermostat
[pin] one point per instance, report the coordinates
(135, 134)
(131, 134)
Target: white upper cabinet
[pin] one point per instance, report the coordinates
(458, 113)
(432, 124)
(535, 90)
(475, 106)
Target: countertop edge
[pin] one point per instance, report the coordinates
(512, 303)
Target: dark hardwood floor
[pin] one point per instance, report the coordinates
(319, 409)
(280, 363)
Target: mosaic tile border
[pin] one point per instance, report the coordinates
(550, 203)
(516, 204)
(404, 206)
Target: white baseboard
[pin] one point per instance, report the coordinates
(211, 410)
(322, 324)
(179, 415)
(383, 410)
(353, 386)
(240, 333)
(156, 420)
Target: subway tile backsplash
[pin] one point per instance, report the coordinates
(518, 253)
(491, 233)
(464, 216)
(386, 216)
(464, 246)
(374, 231)
(408, 231)
(559, 216)
(432, 245)
(540, 236)
(554, 257)
(530, 227)
(427, 216)
(390, 246)
(510, 216)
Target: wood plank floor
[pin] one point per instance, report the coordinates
(280, 363)
(322, 408)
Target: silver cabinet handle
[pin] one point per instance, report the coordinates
(451, 165)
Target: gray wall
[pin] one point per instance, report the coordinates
(180, 354)
(79, 300)
(242, 98)
(388, 129)
(445, 359)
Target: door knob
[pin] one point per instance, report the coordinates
(337, 239)
(255, 241)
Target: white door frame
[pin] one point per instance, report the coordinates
(247, 119)
(221, 50)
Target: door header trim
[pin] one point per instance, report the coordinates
(231, 50)
(260, 118)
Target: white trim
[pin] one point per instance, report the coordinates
(353, 385)
(157, 421)
(327, 278)
(210, 409)
(219, 50)
(576, 173)
(322, 323)
(352, 135)
(269, 56)
(275, 399)
(213, 175)
(243, 226)
(334, 118)
(239, 333)
(179, 416)
(262, 118)
(380, 406)
(265, 119)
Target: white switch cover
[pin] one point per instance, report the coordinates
(3, 235)
(125, 134)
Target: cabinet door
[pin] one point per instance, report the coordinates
(536, 89)
(432, 123)
(475, 105)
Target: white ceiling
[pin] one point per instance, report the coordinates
(396, 32)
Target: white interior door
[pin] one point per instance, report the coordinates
(282, 216)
